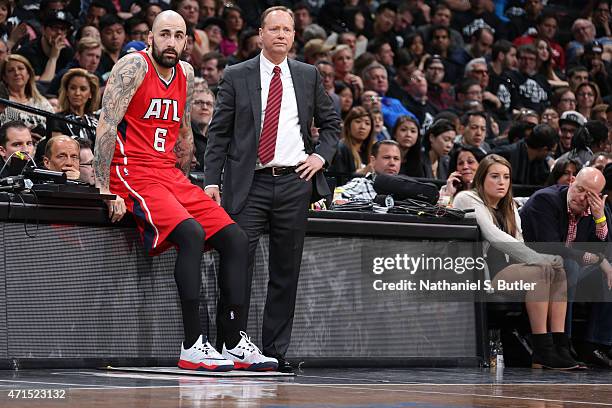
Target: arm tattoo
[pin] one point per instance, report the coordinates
(125, 78)
(184, 145)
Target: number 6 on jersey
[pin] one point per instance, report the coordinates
(159, 143)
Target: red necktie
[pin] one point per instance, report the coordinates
(267, 140)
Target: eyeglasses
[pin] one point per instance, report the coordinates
(480, 71)
(568, 100)
(203, 103)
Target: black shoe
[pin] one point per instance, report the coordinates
(564, 348)
(597, 358)
(545, 354)
(283, 365)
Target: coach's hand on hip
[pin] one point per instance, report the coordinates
(116, 208)
(309, 167)
(213, 192)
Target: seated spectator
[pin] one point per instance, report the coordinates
(564, 172)
(213, 27)
(79, 98)
(577, 75)
(600, 70)
(112, 34)
(213, 64)
(500, 227)
(342, 58)
(551, 118)
(201, 114)
(463, 165)
(584, 33)
(569, 216)
(439, 93)
(385, 159)
(189, 10)
(531, 90)
(52, 51)
(375, 79)
(355, 145)
(546, 64)
(415, 44)
(588, 140)
(474, 131)
(250, 45)
(14, 137)
(380, 130)
(468, 93)
(440, 45)
(137, 29)
(438, 143)
(587, 96)
(569, 122)
(479, 46)
(406, 134)
(62, 154)
(442, 15)
(477, 69)
(316, 50)
(86, 158)
(234, 24)
(601, 160)
(19, 78)
(546, 30)
(529, 157)
(599, 112)
(87, 56)
(347, 97)
(503, 61)
(411, 90)
(563, 100)
(326, 70)
(600, 16)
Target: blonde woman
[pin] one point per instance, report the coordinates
(18, 75)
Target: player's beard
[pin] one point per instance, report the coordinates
(164, 60)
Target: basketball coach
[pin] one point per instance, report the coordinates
(260, 136)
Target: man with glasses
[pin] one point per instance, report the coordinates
(438, 92)
(52, 51)
(569, 122)
(201, 113)
(478, 70)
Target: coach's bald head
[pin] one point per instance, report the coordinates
(167, 38)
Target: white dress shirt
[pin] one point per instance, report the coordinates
(289, 143)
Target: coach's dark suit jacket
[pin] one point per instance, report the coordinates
(544, 218)
(236, 126)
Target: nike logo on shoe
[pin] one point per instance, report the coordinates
(236, 355)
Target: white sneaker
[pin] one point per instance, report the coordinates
(246, 356)
(203, 357)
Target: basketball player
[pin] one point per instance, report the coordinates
(146, 112)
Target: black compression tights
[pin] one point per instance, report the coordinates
(232, 245)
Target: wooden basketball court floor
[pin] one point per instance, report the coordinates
(312, 387)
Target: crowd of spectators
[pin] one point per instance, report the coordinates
(425, 88)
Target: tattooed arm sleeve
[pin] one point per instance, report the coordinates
(124, 80)
(184, 145)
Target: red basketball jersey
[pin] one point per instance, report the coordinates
(147, 134)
